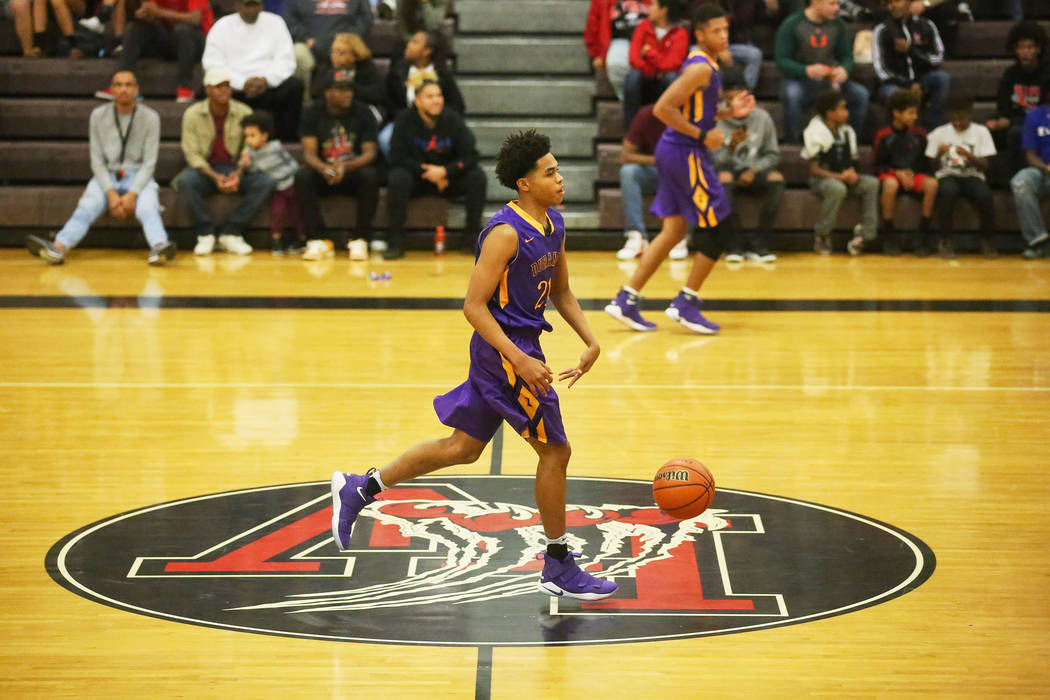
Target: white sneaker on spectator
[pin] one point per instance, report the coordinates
(319, 249)
(680, 251)
(235, 244)
(735, 256)
(377, 246)
(634, 247)
(205, 245)
(358, 249)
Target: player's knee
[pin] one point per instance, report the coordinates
(464, 448)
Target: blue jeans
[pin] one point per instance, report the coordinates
(93, 203)
(796, 95)
(635, 181)
(195, 187)
(618, 63)
(750, 57)
(385, 134)
(1029, 186)
(935, 86)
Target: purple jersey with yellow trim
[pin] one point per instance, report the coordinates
(519, 300)
(702, 108)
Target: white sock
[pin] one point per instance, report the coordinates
(689, 292)
(558, 540)
(378, 479)
(630, 291)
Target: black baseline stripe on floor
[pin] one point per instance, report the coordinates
(447, 304)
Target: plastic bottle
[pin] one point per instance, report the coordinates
(439, 240)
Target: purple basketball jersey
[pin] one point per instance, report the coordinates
(519, 301)
(702, 108)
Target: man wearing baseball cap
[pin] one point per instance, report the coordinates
(256, 48)
(212, 139)
(339, 148)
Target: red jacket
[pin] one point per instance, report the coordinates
(598, 33)
(653, 56)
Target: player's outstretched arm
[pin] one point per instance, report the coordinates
(499, 248)
(668, 108)
(569, 308)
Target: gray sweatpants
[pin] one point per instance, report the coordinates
(832, 192)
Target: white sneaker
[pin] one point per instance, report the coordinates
(634, 247)
(205, 245)
(234, 244)
(735, 256)
(319, 249)
(358, 249)
(378, 246)
(680, 251)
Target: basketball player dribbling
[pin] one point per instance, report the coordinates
(520, 265)
(689, 192)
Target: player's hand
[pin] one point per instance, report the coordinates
(534, 373)
(587, 360)
(742, 104)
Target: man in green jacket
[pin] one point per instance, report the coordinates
(814, 52)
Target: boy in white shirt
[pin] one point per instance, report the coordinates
(830, 146)
(962, 149)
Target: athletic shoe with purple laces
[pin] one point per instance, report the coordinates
(686, 310)
(624, 308)
(566, 578)
(348, 498)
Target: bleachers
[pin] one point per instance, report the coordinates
(44, 110)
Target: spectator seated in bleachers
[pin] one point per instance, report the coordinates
(66, 13)
(256, 48)
(907, 52)
(830, 146)
(339, 148)
(963, 150)
(658, 47)
(1033, 183)
(420, 16)
(744, 16)
(168, 29)
(946, 14)
(903, 168)
(1020, 91)
(432, 152)
(266, 155)
(814, 51)
(212, 139)
(638, 178)
(313, 25)
(747, 160)
(22, 14)
(351, 55)
(424, 59)
(607, 35)
(124, 141)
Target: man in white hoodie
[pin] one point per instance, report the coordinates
(255, 47)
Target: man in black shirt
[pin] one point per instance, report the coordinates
(432, 152)
(1020, 91)
(339, 147)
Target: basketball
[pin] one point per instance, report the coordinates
(683, 488)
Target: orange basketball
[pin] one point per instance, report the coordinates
(683, 488)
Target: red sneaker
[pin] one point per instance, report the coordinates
(183, 95)
(106, 94)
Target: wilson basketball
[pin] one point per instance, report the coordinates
(683, 488)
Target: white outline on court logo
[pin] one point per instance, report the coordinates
(924, 562)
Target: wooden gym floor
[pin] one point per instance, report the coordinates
(914, 392)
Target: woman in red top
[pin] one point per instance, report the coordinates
(658, 48)
(610, 25)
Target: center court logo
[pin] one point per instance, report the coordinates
(452, 561)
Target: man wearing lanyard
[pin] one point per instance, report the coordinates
(124, 138)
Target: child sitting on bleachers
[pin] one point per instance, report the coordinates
(902, 168)
(269, 156)
(963, 149)
(830, 146)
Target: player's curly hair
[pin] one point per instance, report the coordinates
(518, 155)
(1026, 29)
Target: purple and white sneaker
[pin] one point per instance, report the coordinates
(686, 310)
(348, 498)
(624, 308)
(566, 578)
